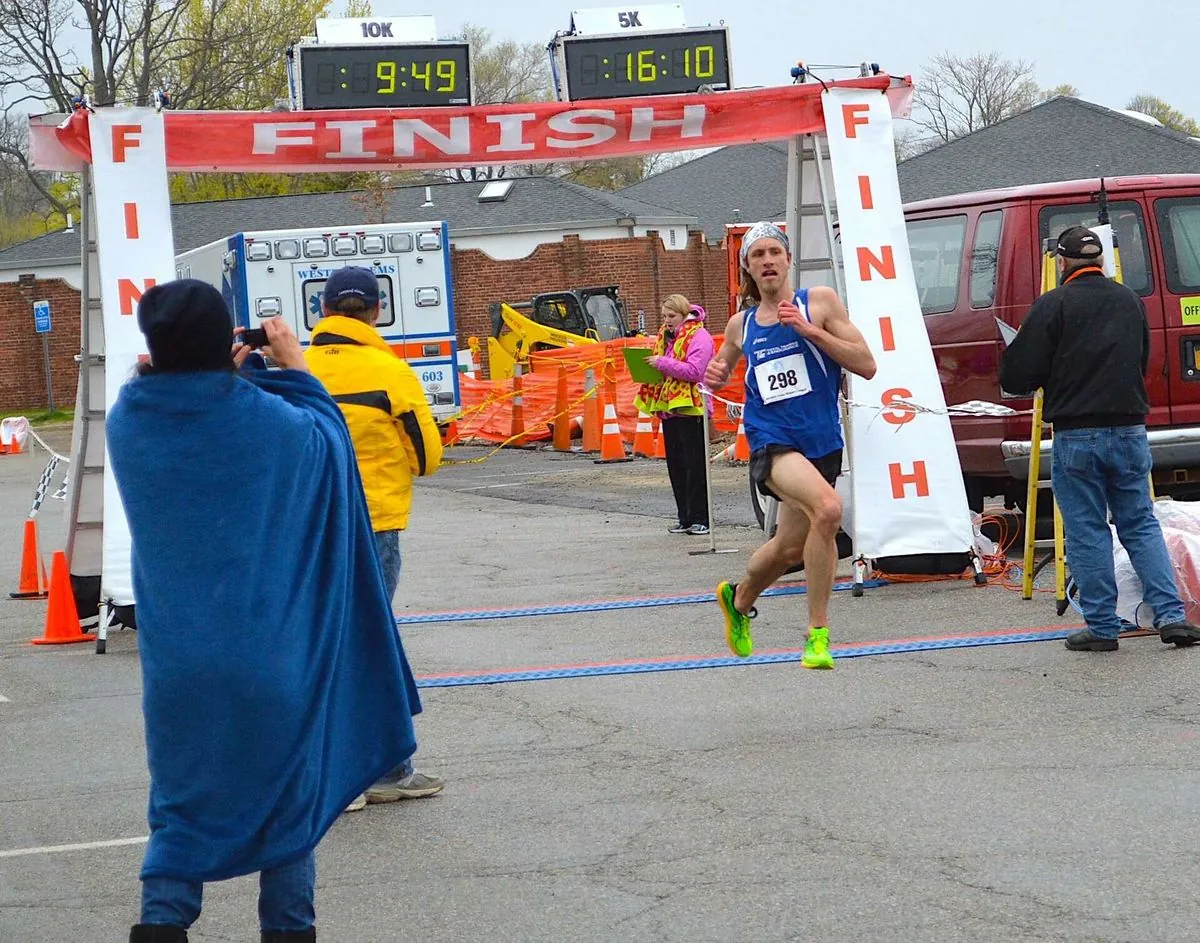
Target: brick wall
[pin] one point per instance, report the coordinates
(22, 363)
(642, 268)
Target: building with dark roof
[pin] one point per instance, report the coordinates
(1062, 139)
(506, 218)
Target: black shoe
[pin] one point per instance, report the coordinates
(295, 936)
(157, 933)
(1086, 641)
(1179, 634)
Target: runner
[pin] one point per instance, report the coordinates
(799, 342)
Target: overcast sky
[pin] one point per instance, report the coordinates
(1110, 50)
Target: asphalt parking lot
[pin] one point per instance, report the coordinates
(613, 776)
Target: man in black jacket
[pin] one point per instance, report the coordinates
(1087, 345)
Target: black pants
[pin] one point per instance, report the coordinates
(687, 453)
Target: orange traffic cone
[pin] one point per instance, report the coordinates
(33, 569)
(643, 436)
(62, 617)
(741, 445)
(660, 440)
(516, 437)
(14, 446)
(612, 446)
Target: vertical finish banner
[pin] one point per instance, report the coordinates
(135, 250)
(908, 491)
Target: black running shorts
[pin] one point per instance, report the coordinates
(830, 466)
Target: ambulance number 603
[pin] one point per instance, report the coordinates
(432, 376)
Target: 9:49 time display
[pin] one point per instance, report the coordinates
(385, 76)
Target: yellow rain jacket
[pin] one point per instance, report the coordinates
(395, 436)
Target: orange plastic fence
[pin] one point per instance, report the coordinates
(487, 404)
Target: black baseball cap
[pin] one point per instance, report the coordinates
(353, 281)
(187, 327)
(1079, 242)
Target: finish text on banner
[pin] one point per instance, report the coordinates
(417, 138)
(908, 491)
(135, 250)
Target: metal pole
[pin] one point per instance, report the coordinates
(49, 380)
(712, 521)
(84, 399)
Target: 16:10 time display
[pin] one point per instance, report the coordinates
(680, 61)
(699, 63)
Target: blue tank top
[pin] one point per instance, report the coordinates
(792, 388)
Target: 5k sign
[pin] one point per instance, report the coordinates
(135, 250)
(908, 492)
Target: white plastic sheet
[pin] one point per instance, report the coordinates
(1180, 522)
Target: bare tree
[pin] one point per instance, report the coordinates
(956, 95)
(503, 71)
(1170, 117)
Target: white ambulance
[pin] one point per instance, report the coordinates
(268, 273)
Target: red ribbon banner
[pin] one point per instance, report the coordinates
(539, 132)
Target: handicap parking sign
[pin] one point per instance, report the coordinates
(41, 317)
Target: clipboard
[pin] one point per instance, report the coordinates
(639, 370)
(1009, 334)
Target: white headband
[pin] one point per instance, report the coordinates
(763, 230)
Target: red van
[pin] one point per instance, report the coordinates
(977, 256)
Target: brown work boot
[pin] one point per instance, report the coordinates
(1179, 634)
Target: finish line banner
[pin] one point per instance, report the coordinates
(134, 247)
(907, 484)
(440, 138)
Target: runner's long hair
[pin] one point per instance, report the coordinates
(748, 294)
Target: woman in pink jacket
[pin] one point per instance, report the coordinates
(681, 353)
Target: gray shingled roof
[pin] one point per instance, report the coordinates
(1062, 139)
(533, 203)
(743, 183)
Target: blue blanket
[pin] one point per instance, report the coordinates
(275, 686)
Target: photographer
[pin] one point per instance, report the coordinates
(1087, 345)
(275, 687)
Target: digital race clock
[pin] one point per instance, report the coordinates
(644, 63)
(378, 75)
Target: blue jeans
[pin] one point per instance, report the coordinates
(285, 898)
(1095, 472)
(387, 543)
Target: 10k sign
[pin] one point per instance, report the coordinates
(41, 317)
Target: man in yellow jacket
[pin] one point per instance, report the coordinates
(395, 439)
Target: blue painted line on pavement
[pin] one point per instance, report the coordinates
(773, 658)
(602, 605)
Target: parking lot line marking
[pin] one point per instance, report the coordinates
(693, 662)
(3, 699)
(80, 846)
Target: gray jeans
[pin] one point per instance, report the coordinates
(387, 543)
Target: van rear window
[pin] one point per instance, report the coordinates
(1179, 223)
(311, 291)
(936, 247)
(1127, 223)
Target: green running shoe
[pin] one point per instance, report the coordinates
(816, 649)
(737, 626)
